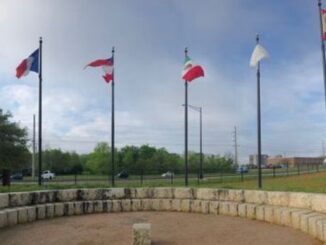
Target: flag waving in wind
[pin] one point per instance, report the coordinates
(258, 54)
(191, 71)
(31, 63)
(107, 66)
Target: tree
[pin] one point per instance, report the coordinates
(99, 161)
(14, 153)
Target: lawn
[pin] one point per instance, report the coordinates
(314, 182)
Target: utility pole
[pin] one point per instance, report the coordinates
(33, 156)
(235, 145)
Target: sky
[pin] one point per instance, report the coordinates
(150, 38)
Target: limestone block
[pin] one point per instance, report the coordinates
(278, 215)
(163, 192)
(3, 219)
(206, 194)
(78, 208)
(66, 195)
(304, 221)
(242, 210)
(156, 204)
(22, 215)
(116, 206)
(88, 207)
(146, 205)
(31, 213)
(269, 214)
(107, 206)
(285, 216)
(69, 208)
(17, 199)
(205, 207)
(176, 205)
(98, 206)
(141, 234)
(185, 205)
(257, 197)
(300, 200)
(318, 202)
(113, 193)
(49, 210)
(312, 224)
(126, 205)
(296, 216)
(236, 195)
(224, 208)
(4, 200)
(41, 211)
(251, 210)
(196, 206)
(321, 230)
(12, 217)
(41, 197)
(233, 208)
(59, 209)
(222, 194)
(88, 194)
(260, 212)
(278, 198)
(214, 207)
(183, 193)
(166, 204)
(141, 193)
(136, 205)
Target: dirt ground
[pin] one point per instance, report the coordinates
(167, 228)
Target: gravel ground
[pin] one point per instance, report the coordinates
(167, 228)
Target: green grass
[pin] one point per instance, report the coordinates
(315, 182)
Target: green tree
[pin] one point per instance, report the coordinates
(99, 161)
(14, 153)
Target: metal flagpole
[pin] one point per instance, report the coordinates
(40, 118)
(186, 128)
(112, 123)
(201, 144)
(258, 122)
(33, 156)
(322, 46)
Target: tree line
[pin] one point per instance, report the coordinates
(15, 156)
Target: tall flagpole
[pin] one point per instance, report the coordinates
(258, 121)
(186, 128)
(112, 123)
(322, 46)
(40, 117)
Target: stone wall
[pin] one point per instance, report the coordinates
(303, 211)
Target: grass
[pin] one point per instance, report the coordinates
(315, 182)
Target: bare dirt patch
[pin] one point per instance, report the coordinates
(167, 229)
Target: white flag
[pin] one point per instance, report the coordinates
(258, 54)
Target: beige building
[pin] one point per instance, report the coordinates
(253, 160)
(295, 161)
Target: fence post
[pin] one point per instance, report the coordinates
(171, 178)
(241, 172)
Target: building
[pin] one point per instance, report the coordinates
(296, 161)
(253, 160)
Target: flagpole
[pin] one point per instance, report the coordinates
(40, 118)
(112, 123)
(322, 46)
(186, 128)
(258, 121)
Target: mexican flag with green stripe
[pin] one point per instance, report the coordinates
(191, 71)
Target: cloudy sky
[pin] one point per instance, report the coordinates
(150, 37)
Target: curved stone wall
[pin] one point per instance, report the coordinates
(303, 211)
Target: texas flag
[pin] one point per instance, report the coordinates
(31, 63)
(107, 66)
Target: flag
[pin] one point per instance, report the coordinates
(191, 71)
(258, 54)
(31, 63)
(323, 12)
(107, 66)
